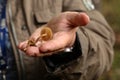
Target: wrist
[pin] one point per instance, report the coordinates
(65, 57)
(76, 47)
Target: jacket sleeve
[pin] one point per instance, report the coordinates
(97, 40)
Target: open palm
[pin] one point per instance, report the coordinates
(64, 27)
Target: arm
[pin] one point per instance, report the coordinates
(93, 49)
(97, 40)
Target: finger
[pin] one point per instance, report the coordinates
(22, 45)
(77, 19)
(32, 51)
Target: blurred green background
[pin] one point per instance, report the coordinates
(111, 11)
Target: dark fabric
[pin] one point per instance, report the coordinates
(7, 59)
(63, 58)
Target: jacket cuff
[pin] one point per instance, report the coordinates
(62, 59)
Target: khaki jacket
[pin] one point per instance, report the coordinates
(97, 39)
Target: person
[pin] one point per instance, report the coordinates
(81, 47)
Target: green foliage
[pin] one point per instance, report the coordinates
(111, 11)
(116, 63)
(116, 66)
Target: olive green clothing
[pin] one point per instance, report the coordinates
(96, 39)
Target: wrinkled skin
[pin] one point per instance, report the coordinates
(64, 27)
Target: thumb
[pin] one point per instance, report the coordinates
(77, 19)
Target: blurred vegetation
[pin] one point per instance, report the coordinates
(111, 11)
(110, 8)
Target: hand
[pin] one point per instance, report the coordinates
(64, 27)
